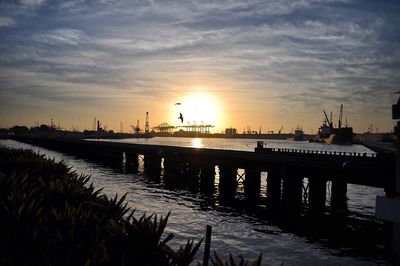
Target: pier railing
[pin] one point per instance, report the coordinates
(261, 147)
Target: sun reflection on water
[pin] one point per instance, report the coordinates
(196, 143)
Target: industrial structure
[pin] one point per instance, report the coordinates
(230, 131)
(197, 128)
(164, 128)
(136, 129)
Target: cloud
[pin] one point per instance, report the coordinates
(32, 3)
(60, 37)
(6, 22)
(293, 53)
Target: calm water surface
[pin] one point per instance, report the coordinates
(234, 230)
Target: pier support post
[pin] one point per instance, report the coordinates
(274, 183)
(192, 176)
(131, 162)
(152, 165)
(252, 184)
(292, 190)
(172, 173)
(96, 154)
(317, 194)
(338, 196)
(112, 158)
(207, 178)
(227, 181)
(169, 164)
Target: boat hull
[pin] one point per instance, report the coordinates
(342, 136)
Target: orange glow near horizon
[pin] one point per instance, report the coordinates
(199, 108)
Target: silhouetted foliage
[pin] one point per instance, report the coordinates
(51, 216)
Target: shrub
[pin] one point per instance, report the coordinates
(51, 216)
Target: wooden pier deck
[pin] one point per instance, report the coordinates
(286, 169)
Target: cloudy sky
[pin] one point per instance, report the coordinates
(245, 63)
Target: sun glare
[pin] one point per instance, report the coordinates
(196, 143)
(199, 109)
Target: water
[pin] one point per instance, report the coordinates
(237, 230)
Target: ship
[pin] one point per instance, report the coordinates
(329, 134)
(298, 135)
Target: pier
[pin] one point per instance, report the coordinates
(295, 178)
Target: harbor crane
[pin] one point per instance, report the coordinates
(136, 128)
(328, 121)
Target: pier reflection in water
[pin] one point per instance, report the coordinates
(351, 236)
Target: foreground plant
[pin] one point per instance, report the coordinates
(52, 216)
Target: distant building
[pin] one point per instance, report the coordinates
(374, 137)
(230, 131)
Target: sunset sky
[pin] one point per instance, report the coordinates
(229, 63)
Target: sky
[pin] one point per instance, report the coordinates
(240, 64)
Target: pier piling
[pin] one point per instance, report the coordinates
(317, 194)
(252, 184)
(207, 178)
(227, 180)
(192, 178)
(292, 190)
(338, 196)
(131, 162)
(152, 165)
(274, 184)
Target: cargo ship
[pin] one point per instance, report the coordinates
(298, 135)
(329, 134)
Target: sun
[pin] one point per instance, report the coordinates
(199, 108)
